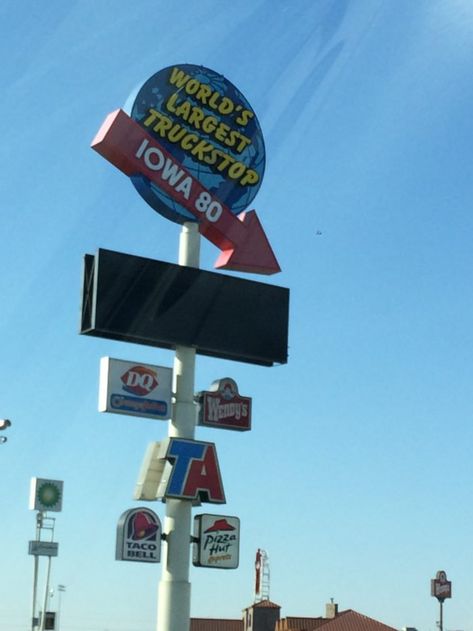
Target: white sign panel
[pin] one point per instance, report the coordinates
(46, 495)
(135, 389)
(217, 541)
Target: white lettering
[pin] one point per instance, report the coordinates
(185, 187)
(154, 166)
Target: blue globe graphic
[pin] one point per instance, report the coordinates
(154, 94)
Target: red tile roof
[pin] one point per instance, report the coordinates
(293, 623)
(265, 604)
(348, 620)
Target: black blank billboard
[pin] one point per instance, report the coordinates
(140, 300)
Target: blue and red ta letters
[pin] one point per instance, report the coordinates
(195, 473)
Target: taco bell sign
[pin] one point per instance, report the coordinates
(139, 536)
(135, 389)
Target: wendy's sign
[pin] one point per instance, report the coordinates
(223, 407)
(194, 150)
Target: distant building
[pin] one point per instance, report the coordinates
(265, 616)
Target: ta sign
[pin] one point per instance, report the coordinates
(191, 473)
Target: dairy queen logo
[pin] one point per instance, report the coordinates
(223, 407)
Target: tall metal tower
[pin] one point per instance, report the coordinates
(261, 576)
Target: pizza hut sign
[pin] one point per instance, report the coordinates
(223, 407)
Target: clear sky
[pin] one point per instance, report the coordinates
(356, 477)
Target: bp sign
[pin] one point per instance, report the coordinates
(46, 495)
(207, 124)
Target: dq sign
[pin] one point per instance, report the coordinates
(139, 536)
(136, 389)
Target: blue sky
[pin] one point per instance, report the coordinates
(356, 477)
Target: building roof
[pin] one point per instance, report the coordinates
(348, 620)
(215, 624)
(265, 604)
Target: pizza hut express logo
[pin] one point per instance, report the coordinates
(219, 541)
(139, 381)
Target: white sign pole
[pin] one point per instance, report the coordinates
(174, 594)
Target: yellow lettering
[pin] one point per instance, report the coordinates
(196, 117)
(171, 102)
(183, 110)
(209, 124)
(162, 126)
(233, 139)
(204, 93)
(221, 132)
(152, 116)
(244, 117)
(188, 141)
(178, 77)
(250, 178)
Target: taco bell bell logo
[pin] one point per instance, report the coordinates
(139, 536)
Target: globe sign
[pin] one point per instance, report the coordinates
(210, 129)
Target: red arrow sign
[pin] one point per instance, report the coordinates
(245, 248)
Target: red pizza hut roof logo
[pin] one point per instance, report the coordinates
(220, 524)
(139, 380)
(223, 407)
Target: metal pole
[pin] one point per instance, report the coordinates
(174, 593)
(39, 521)
(35, 587)
(60, 589)
(46, 588)
(441, 616)
(46, 594)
